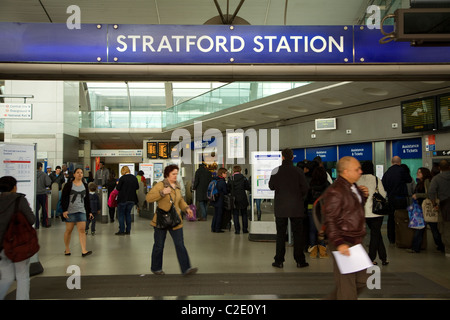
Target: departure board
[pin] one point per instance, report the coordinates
(444, 111)
(419, 115)
(163, 150)
(175, 153)
(152, 150)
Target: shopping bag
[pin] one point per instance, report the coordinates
(415, 213)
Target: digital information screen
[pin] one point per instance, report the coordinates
(152, 150)
(444, 111)
(163, 150)
(419, 115)
(175, 153)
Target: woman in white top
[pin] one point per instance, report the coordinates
(374, 221)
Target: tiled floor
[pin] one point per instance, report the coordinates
(210, 252)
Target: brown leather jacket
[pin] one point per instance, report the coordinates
(343, 214)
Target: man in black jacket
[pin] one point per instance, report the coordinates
(290, 187)
(394, 182)
(201, 181)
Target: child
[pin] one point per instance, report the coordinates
(95, 206)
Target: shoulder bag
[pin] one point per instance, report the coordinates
(380, 205)
(430, 213)
(167, 219)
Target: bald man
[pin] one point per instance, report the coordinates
(344, 222)
(395, 181)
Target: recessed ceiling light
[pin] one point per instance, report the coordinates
(248, 120)
(298, 109)
(331, 101)
(375, 91)
(433, 82)
(270, 115)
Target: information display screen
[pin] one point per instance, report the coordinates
(419, 115)
(444, 111)
(152, 150)
(174, 147)
(163, 150)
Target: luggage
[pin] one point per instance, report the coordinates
(194, 211)
(403, 234)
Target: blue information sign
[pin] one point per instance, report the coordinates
(326, 153)
(360, 151)
(299, 154)
(184, 44)
(407, 149)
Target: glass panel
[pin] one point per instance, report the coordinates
(226, 96)
(110, 103)
(145, 96)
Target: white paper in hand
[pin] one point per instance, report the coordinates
(357, 261)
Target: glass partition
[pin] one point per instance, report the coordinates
(146, 105)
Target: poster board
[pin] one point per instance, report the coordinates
(148, 171)
(19, 161)
(129, 165)
(263, 162)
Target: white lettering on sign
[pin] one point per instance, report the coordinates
(206, 43)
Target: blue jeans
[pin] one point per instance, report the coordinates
(203, 206)
(124, 215)
(158, 249)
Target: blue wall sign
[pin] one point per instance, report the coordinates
(407, 149)
(360, 151)
(299, 154)
(184, 44)
(326, 153)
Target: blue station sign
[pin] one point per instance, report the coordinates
(407, 149)
(325, 153)
(219, 44)
(360, 151)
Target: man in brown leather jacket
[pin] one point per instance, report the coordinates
(343, 211)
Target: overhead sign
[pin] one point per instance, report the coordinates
(15, 110)
(223, 44)
(116, 153)
(360, 151)
(441, 153)
(407, 149)
(325, 153)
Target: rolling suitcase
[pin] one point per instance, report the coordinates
(194, 210)
(403, 234)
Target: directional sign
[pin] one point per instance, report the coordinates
(441, 153)
(15, 110)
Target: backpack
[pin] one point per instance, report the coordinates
(20, 241)
(112, 200)
(318, 217)
(212, 193)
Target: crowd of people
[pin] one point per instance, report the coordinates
(346, 210)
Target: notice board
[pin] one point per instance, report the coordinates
(19, 161)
